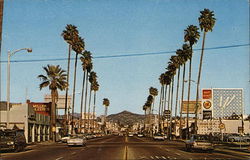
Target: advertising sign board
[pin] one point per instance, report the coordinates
(61, 101)
(191, 107)
(207, 114)
(42, 108)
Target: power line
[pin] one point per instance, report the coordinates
(125, 55)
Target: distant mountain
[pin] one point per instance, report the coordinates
(125, 118)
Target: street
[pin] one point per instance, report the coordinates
(119, 148)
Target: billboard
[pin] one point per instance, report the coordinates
(227, 101)
(61, 101)
(191, 107)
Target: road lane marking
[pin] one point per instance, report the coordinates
(73, 153)
(59, 158)
(157, 157)
(151, 157)
(178, 154)
(125, 155)
(163, 157)
(167, 150)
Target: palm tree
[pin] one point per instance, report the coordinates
(106, 104)
(70, 34)
(89, 68)
(154, 92)
(185, 54)
(78, 47)
(168, 78)
(144, 108)
(207, 22)
(55, 79)
(160, 110)
(92, 79)
(191, 35)
(178, 60)
(86, 59)
(172, 66)
(95, 88)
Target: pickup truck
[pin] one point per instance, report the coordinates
(199, 142)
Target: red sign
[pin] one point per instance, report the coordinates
(41, 108)
(206, 93)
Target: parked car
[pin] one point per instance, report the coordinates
(130, 134)
(140, 135)
(158, 136)
(238, 138)
(201, 142)
(77, 140)
(12, 140)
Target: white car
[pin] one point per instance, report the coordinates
(199, 142)
(65, 139)
(130, 134)
(76, 140)
(158, 137)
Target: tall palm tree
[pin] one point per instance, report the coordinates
(89, 68)
(148, 105)
(185, 54)
(172, 66)
(207, 22)
(86, 60)
(144, 108)
(78, 47)
(178, 60)
(191, 35)
(168, 78)
(106, 103)
(55, 79)
(70, 35)
(154, 92)
(95, 88)
(160, 110)
(92, 79)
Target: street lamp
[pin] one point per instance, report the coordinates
(8, 81)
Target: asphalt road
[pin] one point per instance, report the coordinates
(119, 148)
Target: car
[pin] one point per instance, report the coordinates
(77, 140)
(238, 138)
(140, 135)
(199, 142)
(65, 138)
(130, 134)
(12, 139)
(89, 136)
(158, 136)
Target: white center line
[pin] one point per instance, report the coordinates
(59, 158)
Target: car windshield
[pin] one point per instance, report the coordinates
(201, 137)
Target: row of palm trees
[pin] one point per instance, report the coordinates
(178, 61)
(57, 78)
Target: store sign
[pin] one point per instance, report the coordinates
(42, 108)
(206, 94)
(207, 114)
(207, 104)
(191, 106)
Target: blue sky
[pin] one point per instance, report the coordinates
(124, 27)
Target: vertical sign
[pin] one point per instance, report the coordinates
(207, 105)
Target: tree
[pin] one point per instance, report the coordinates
(160, 110)
(95, 88)
(105, 104)
(78, 47)
(55, 79)
(86, 60)
(70, 34)
(185, 54)
(191, 35)
(92, 79)
(207, 22)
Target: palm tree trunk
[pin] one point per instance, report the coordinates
(189, 88)
(83, 83)
(169, 92)
(85, 102)
(198, 81)
(73, 101)
(176, 100)
(89, 108)
(159, 112)
(53, 118)
(93, 120)
(182, 97)
(172, 92)
(67, 89)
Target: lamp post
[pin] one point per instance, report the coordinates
(8, 81)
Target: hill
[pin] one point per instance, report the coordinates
(125, 118)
